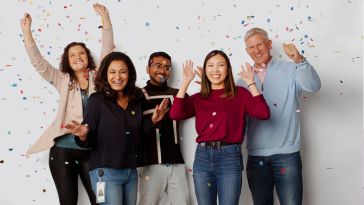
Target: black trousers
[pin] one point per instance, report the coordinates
(65, 165)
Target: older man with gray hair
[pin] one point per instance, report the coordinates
(273, 145)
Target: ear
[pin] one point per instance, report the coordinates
(147, 69)
(270, 44)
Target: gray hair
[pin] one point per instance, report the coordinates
(253, 31)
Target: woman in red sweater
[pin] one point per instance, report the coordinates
(220, 109)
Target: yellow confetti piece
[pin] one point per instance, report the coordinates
(133, 112)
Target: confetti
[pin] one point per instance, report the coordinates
(147, 24)
(283, 170)
(1, 161)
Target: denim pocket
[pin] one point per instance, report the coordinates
(231, 150)
(200, 148)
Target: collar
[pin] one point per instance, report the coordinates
(152, 87)
(260, 70)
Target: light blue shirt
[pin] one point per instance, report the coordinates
(283, 84)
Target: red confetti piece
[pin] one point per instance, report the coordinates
(40, 30)
(283, 170)
(62, 126)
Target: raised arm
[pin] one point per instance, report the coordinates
(44, 68)
(188, 76)
(107, 32)
(25, 25)
(306, 77)
(247, 74)
(183, 108)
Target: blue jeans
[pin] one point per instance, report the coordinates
(121, 185)
(217, 173)
(284, 171)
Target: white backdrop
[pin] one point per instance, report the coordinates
(328, 32)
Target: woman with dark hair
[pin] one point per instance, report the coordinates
(220, 109)
(112, 128)
(74, 82)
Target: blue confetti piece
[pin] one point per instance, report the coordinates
(24, 98)
(341, 81)
(11, 149)
(309, 18)
(268, 20)
(303, 51)
(306, 36)
(242, 22)
(14, 85)
(292, 8)
(147, 24)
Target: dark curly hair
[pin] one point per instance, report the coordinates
(102, 85)
(229, 85)
(65, 66)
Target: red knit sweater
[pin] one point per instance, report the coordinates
(220, 118)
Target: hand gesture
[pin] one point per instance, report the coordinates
(78, 129)
(101, 10)
(292, 52)
(247, 74)
(26, 23)
(188, 72)
(160, 111)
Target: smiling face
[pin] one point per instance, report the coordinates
(216, 71)
(117, 75)
(159, 70)
(77, 58)
(258, 48)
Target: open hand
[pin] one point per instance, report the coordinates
(247, 74)
(78, 129)
(160, 111)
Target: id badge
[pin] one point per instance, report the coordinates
(100, 192)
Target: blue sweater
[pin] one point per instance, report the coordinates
(283, 84)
